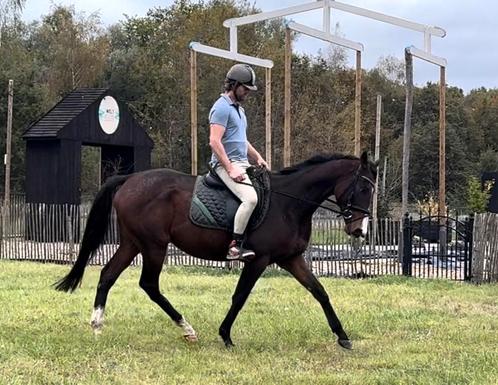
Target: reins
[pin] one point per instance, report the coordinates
(312, 203)
(346, 213)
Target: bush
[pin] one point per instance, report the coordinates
(478, 196)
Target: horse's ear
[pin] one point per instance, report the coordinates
(364, 159)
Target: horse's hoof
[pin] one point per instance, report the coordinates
(228, 343)
(191, 338)
(346, 344)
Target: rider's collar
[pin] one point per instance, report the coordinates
(229, 100)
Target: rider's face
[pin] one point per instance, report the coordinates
(241, 93)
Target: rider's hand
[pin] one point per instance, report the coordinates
(236, 173)
(262, 163)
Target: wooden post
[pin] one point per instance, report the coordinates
(384, 173)
(407, 131)
(442, 162)
(8, 151)
(268, 116)
(357, 106)
(442, 142)
(376, 158)
(287, 97)
(193, 110)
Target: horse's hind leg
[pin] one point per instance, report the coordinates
(120, 260)
(153, 259)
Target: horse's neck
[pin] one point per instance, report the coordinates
(313, 185)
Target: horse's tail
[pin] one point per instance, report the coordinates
(95, 230)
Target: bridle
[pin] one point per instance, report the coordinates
(347, 210)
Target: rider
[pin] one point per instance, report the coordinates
(232, 150)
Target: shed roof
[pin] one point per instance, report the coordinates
(49, 125)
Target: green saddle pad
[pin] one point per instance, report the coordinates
(214, 205)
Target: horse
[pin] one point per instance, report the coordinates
(152, 209)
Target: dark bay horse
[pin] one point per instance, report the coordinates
(152, 210)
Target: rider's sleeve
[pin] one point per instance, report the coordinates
(219, 115)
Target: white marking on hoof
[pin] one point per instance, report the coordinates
(188, 331)
(97, 320)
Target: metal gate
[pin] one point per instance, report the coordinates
(437, 247)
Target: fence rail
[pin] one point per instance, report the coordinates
(51, 233)
(332, 253)
(485, 248)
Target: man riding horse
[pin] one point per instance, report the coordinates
(152, 209)
(232, 150)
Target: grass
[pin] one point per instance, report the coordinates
(405, 331)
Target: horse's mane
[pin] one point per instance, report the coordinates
(321, 158)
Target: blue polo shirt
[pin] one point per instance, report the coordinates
(230, 115)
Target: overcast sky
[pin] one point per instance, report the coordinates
(470, 45)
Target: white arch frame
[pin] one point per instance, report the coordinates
(425, 54)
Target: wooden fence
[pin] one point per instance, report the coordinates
(485, 250)
(51, 233)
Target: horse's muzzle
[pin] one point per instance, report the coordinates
(358, 229)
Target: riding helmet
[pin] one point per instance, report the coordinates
(243, 74)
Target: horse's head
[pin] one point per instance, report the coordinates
(354, 194)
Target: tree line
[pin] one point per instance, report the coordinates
(145, 61)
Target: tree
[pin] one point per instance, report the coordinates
(488, 161)
(482, 106)
(38, 58)
(424, 173)
(9, 12)
(17, 63)
(73, 50)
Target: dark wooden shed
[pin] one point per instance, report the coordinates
(87, 116)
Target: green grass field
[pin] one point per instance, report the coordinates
(405, 331)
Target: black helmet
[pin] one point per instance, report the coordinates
(243, 74)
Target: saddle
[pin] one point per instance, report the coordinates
(214, 205)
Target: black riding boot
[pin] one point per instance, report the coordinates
(237, 251)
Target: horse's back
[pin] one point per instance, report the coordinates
(145, 188)
(156, 180)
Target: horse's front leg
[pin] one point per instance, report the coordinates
(299, 269)
(250, 274)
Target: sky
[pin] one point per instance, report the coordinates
(469, 45)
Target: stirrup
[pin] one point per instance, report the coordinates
(236, 252)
